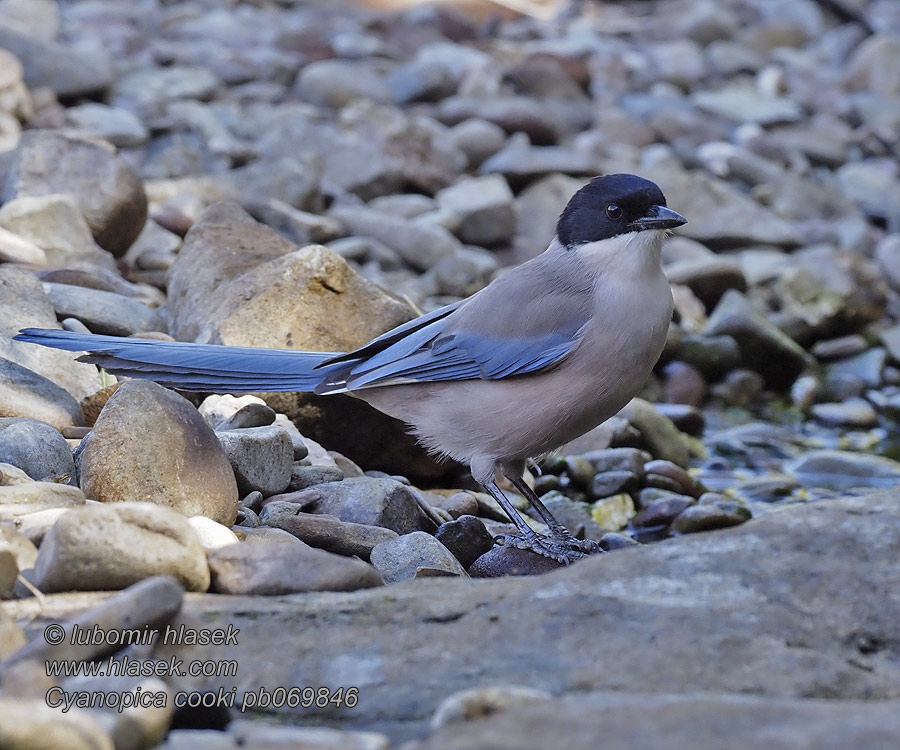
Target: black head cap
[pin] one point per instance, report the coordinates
(614, 204)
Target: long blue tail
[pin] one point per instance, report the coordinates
(191, 367)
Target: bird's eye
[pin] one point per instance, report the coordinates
(613, 211)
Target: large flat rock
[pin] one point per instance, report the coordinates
(800, 604)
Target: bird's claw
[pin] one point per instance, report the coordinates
(564, 549)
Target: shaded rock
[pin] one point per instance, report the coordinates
(686, 418)
(867, 367)
(55, 224)
(709, 279)
(521, 162)
(254, 414)
(684, 386)
(24, 393)
(273, 569)
(325, 531)
(744, 104)
(399, 559)
(107, 189)
(661, 512)
(466, 538)
(465, 272)
(103, 312)
(713, 356)
(478, 139)
(611, 482)
(120, 127)
(872, 185)
(104, 547)
(31, 723)
(260, 456)
(887, 252)
(219, 409)
(659, 468)
(843, 470)
(574, 515)
(844, 346)
(309, 476)
(151, 444)
(890, 337)
(273, 295)
(766, 349)
(420, 245)
(485, 208)
(36, 448)
(368, 501)
(718, 514)
(506, 560)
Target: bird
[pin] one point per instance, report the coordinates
(541, 355)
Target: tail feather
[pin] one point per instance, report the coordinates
(191, 367)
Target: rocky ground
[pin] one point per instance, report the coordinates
(308, 175)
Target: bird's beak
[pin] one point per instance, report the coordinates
(658, 217)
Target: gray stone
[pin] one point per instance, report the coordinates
(420, 245)
(713, 356)
(683, 481)
(676, 721)
(843, 470)
(478, 139)
(108, 547)
(867, 367)
(465, 272)
(611, 482)
(325, 531)
(274, 569)
(129, 455)
(485, 208)
(777, 357)
(309, 476)
(24, 393)
(872, 185)
(744, 104)
(103, 312)
(661, 512)
(466, 538)
(120, 127)
(373, 502)
(336, 83)
(253, 414)
(521, 162)
(511, 561)
(399, 559)
(844, 346)
(458, 504)
(260, 456)
(709, 278)
(107, 189)
(890, 337)
(887, 252)
(538, 207)
(36, 448)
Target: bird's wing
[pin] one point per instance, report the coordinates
(435, 352)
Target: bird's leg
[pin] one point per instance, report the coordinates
(559, 534)
(556, 548)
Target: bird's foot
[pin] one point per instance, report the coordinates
(564, 548)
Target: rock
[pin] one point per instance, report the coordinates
(718, 514)
(36, 448)
(103, 312)
(325, 531)
(677, 721)
(520, 162)
(368, 501)
(844, 346)
(506, 560)
(538, 207)
(612, 482)
(661, 512)
(740, 103)
(309, 476)
(222, 292)
(13, 636)
(714, 586)
(108, 547)
(55, 224)
(120, 127)
(470, 705)
(662, 438)
(465, 272)
(887, 252)
(485, 208)
(854, 412)
(107, 189)
(260, 456)
(253, 414)
(24, 393)
(16, 249)
(872, 185)
(255, 733)
(684, 386)
(478, 139)
(420, 245)
(273, 569)
(843, 470)
(574, 515)
(712, 356)
(31, 723)
(150, 603)
(335, 83)
(9, 571)
(212, 535)
(68, 70)
(458, 504)
(874, 66)
(399, 559)
(867, 367)
(685, 483)
(129, 455)
(709, 279)
(767, 350)
(613, 513)
(466, 538)
(890, 337)
(221, 409)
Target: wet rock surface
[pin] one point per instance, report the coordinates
(308, 176)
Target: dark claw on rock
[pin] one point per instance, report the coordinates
(565, 550)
